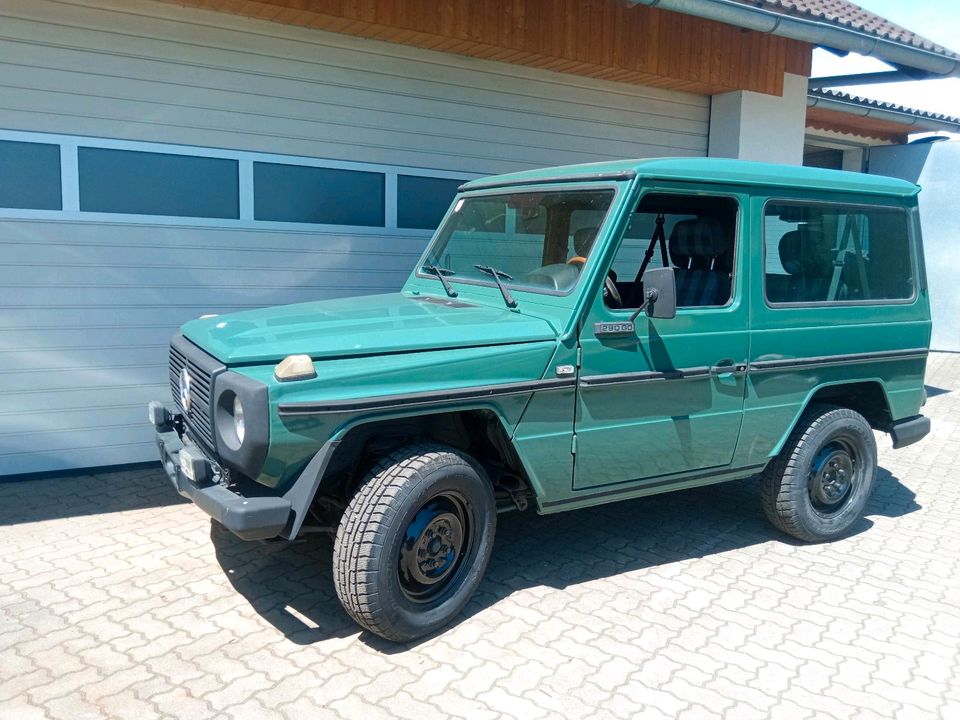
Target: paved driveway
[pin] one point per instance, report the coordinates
(117, 600)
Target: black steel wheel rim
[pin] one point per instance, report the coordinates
(835, 476)
(434, 546)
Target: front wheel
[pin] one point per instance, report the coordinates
(414, 541)
(819, 484)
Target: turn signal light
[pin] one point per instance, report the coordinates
(295, 367)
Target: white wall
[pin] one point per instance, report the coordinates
(88, 302)
(940, 216)
(935, 168)
(753, 126)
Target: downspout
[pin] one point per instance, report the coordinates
(812, 31)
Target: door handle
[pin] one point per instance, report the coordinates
(728, 367)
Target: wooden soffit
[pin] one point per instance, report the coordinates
(602, 39)
(864, 127)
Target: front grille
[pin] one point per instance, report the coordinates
(203, 369)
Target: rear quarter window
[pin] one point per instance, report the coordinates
(819, 253)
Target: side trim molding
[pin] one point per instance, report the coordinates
(647, 376)
(389, 402)
(759, 366)
(635, 486)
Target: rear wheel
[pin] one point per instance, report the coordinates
(414, 541)
(819, 484)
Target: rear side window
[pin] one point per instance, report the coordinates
(819, 253)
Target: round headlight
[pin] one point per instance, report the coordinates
(238, 418)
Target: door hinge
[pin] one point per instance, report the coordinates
(579, 356)
(573, 445)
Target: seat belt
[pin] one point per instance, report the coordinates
(861, 267)
(850, 230)
(839, 253)
(648, 255)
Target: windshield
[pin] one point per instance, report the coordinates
(535, 241)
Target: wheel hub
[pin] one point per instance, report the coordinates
(831, 478)
(433, 544)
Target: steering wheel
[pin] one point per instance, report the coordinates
(610, 293)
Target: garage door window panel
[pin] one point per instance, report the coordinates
(423, 201)
(145, 183)
(30, 176)
(325, 196)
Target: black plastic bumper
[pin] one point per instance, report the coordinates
(907, 432)
(251, 518)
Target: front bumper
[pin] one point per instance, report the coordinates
(251, 518)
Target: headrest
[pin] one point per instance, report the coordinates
(700, 238)
(583, 240)
(803, 251)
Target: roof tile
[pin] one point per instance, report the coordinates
(879, 104)
(849, 15)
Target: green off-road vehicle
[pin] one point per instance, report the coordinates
(570, 337)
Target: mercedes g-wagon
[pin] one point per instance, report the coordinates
(570, 337)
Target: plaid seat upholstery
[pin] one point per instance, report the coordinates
(694, 247)
(697, 288)
(700, 238)
(807, 258)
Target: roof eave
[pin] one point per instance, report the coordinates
(914, 122)
(812, 31)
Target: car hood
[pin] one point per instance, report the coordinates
(367, 325)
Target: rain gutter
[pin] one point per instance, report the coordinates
(921, 123)
(812, 31)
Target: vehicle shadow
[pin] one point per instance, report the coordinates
(291, 584)
(26, 499)
(933, 391)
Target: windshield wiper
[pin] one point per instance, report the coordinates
(497, 274)
(441, 274)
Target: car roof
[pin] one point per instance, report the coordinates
(716, 170)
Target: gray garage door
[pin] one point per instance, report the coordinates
(158, 163)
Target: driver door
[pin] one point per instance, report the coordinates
(664, 403)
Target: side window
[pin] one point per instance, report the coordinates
(694, 234)
(819, 253)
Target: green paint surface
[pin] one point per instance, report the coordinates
(633, 438)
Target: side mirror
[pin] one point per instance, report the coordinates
(659, 294)
(659, 301)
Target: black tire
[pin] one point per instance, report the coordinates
(819, 484)
(399, 521)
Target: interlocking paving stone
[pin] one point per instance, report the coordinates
(118, 599)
